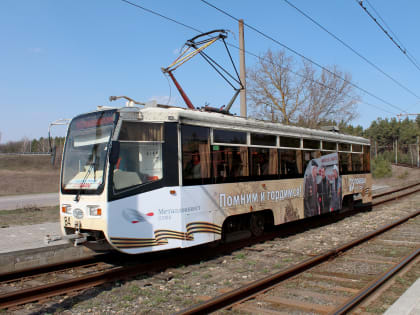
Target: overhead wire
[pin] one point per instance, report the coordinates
(247, 52)
(314, 81)
(351, 48)
(398, 44)
(304, 57)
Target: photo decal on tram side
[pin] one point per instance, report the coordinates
(358, 184)
(323, 186)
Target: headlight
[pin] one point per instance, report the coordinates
(66, 209)
(78, 214)
(94, 211)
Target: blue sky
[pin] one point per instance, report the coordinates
(62, 58)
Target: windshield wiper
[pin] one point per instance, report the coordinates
(77, 197)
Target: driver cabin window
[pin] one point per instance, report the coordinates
(140, 157)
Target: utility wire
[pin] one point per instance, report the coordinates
(247, 52)
(162, 16)
(399, 45)
(352, 49)
(314, 81)
(304, 57)
(409, 55)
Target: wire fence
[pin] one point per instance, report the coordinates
(398, 153)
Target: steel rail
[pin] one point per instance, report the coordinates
(53, 289)
(252, 289)
(79, 283)
(373, 285)
(395, 197)
(60, 266)
(33, 271)
(396, 190)
(48, 290)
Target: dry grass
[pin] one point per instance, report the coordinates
(401, 176)
(27, 175)
(28, 216)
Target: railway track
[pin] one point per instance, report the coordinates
(279, 291)
(66, 278)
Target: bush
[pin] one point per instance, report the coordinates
(381, 167)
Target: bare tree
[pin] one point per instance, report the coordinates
(280, 90)
(274, 90)
(329, 98)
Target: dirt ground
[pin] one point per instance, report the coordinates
(401, 176)
(28, 174)
(28, 216)
(177, 288)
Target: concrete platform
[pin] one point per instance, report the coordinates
(23, 247)
(408, 303)
(17, 238)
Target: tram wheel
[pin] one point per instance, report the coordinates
(256, 224)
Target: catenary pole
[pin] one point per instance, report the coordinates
(242, 71)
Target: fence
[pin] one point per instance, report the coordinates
(398, 153)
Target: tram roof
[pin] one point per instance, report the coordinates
(230, 122)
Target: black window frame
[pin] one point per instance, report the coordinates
(257, 139)
(101, 187)
(309, 144)
(284, 142)
(228, 134)
(194, 181)
(170, 176)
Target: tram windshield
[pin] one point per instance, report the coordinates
(86, 151)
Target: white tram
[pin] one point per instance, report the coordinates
(147, 179)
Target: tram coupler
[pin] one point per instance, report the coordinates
(78, 238)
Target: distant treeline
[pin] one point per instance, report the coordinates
(386, 131)
(382, 131)
(36, 145)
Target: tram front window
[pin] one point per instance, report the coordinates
(86, 152)
(140, 156)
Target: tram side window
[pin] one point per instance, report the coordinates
(308, 156)
(264, 163)
(357, 162)
(229, 136)
(345, 163)
(366, 158)
(195, 155)
(230, 164)
(327, 145)
(140, 156)
(290, 163)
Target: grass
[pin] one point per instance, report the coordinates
(28, 175)
(403, 175)
(28, 216)
(381, 168)
(240, 256)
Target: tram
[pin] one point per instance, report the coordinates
(142, 179)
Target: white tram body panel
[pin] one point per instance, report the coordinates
(170, 217)
(182, 215)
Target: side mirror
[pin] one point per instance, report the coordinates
(115, 152)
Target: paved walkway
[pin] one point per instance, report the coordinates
(408, 303)
(28, 236)
(32, 200)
